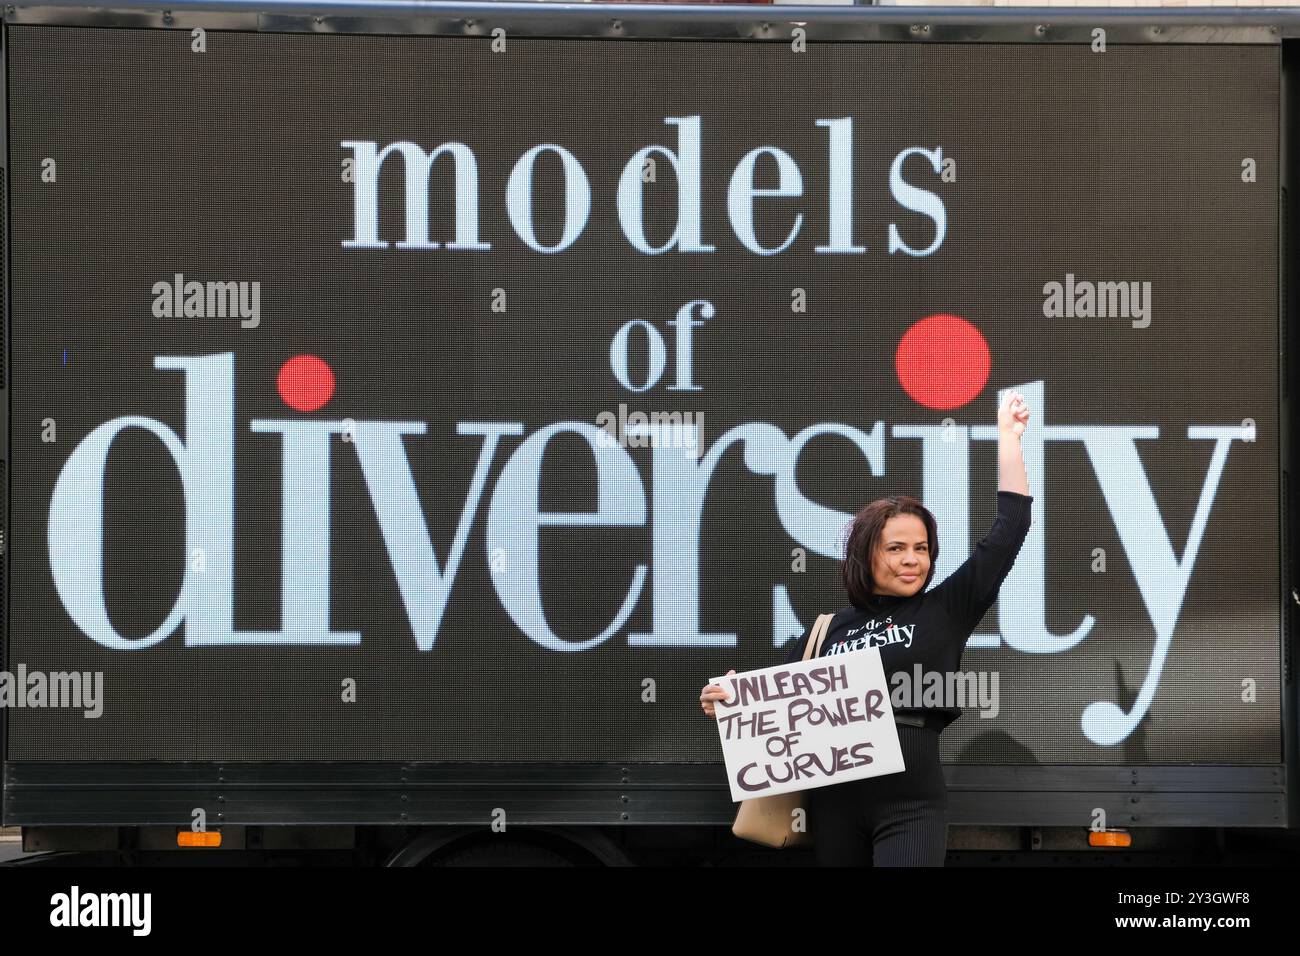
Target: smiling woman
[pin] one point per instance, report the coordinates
(891, 549)
(890, 555)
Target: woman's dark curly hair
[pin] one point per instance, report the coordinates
(863, 536)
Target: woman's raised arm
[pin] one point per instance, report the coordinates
(1013, 416)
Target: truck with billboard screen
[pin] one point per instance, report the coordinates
(409, 407)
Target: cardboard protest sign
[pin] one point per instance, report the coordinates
(809, 724)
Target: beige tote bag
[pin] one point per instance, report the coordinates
(767, 820)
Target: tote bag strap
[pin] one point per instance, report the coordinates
(818, 635)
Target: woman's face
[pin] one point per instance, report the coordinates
(902, 559)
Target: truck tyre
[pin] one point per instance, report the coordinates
(501, 853)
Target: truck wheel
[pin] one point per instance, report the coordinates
(501, 853)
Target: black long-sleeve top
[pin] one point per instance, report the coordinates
(931, 627)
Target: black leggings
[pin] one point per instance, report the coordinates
(901, 819)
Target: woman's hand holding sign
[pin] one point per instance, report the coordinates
(711, 693)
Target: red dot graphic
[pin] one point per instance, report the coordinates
(305, 383)
(943, 361)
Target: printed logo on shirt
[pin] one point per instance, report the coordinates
(892, 634)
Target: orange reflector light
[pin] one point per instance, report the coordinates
(1110, 838)
(190, 838)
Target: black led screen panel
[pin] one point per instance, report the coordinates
(317, 342)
